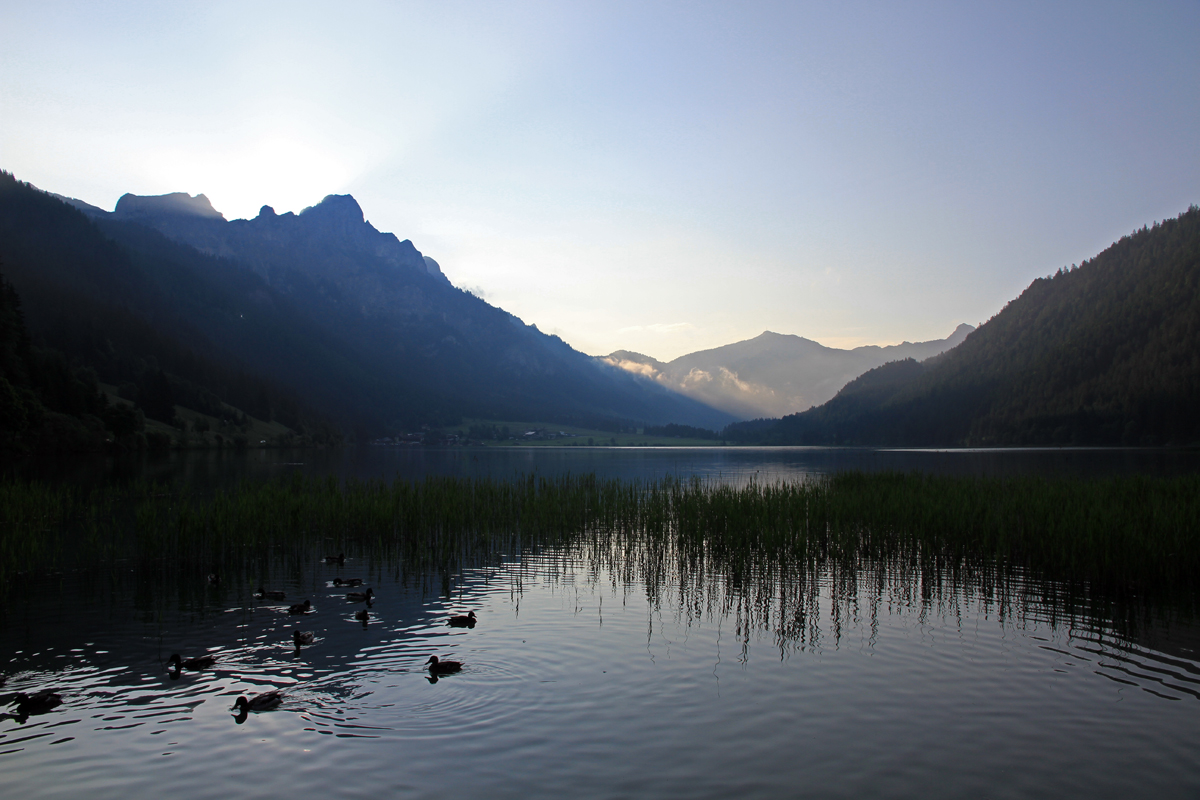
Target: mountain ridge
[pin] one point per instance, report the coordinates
(774, 374)
(337, 222)
(1103, 353)
(357, 321)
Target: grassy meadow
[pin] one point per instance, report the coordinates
(206, 431)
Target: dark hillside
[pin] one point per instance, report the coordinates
(420, 350)
(48, 403)
(294, 317)
(105, 310)
(1104, 353)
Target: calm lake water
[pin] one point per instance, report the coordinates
(601, 672)
(215, 468)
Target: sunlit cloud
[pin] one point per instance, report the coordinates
(730, 378)
(636, 367)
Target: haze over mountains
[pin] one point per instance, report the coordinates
(773, 374)
(1105, 353)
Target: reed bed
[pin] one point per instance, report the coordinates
(1125, 537)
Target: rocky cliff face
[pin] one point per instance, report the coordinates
(132, 206)
(330, 240)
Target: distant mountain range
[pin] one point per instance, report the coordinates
(1106, 353)
(351, 323)
(773, 374)
(321, 323)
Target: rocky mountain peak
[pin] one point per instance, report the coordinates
(176, 204)
(342, 208)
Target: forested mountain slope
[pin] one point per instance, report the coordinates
(1104, 353)
(104, 312)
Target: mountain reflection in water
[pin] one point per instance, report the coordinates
(605, 665)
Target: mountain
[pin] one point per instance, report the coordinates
(351, 322)
(773, 374)
(1105, 353)
(329, 241)
(94, 310)
(41, 396)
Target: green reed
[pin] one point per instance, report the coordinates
(1131, 535)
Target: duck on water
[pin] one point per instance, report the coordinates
(438, 667)
(463, 620)
(197, 663)
(301, 608)
(29, 705)
(259, 702)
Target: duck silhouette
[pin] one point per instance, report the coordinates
(463, 620)
(260, 702)
(270, 594)
(300, 608)
(438, 667)
(361, 597)
(339, 559)
(347, 581)
(302, 637)
(29, 705)
(197, 663)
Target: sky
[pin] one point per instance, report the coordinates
(662, 177)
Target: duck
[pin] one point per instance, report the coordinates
(259, 702)
(37, 703)
(339, 559)
(359, 597)
(347, 581)
(300, 608)
(463, 621)
(362, 616)
(272, 594)
(197, 663)
(443, 667)
(302, 637)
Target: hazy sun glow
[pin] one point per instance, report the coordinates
(850, 173)
(276, 170)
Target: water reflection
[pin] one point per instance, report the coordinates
(206, 470)
(597, 654)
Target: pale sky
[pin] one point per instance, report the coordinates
(660, 177)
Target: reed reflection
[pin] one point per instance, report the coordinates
(801, 563)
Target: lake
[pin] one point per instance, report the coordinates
(223, 468)
(603, 668)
